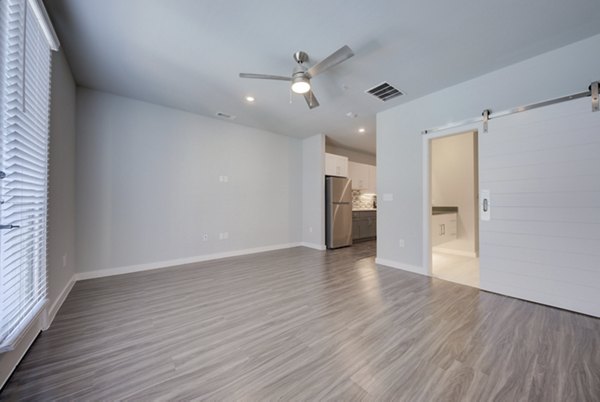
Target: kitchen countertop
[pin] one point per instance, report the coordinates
(364, 209)
(443, 210)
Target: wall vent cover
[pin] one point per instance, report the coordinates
(225, 116)
(384, 92)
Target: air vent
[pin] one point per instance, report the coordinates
(384, 92)
(225, 116)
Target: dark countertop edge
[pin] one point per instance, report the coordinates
(443, 210)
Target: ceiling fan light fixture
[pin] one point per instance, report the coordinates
(300, 84)
(301, 75)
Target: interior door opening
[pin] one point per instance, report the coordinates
(454, 213)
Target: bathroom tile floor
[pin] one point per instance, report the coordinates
(455, 268)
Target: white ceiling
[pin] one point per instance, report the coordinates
(187, 53)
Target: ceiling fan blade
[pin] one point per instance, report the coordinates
(265, 77)
(310, 99)
(335, 58)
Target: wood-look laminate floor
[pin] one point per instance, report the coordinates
(305, 325)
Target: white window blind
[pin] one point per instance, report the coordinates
(24, 108)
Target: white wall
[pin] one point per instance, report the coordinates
(453, 183)
(61, 206)
(61, 198)
(313, 191)
(352, 155)
(399, 144)
(148, 185)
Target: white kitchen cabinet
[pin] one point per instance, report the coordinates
(372, 188)
(359, 173)
(336, 165)
(363, 177)
(443, 228)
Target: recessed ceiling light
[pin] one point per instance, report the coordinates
(250, 99)
(361, 130)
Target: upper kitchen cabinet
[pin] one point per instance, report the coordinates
(359, 173)
(364, 177)
(336, 165)
(372, 180)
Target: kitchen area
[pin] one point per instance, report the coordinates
(351, 199)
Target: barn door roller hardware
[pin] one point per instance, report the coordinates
(486, 118)
(592, 91)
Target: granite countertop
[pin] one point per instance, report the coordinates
(364, 209)
(443, 210)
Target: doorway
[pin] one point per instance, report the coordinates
(453, 208)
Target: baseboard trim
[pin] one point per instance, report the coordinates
(51, 312)
(100, 273)
(452, 251)
(314, 246)
(11, 359)
(399, 265)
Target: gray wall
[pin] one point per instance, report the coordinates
(352, 155)
(151, 183)
(61, 202)
(313, 191)
(399, 144)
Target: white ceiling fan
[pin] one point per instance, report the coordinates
(302, 75)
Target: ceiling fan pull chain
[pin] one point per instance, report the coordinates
(291, 96)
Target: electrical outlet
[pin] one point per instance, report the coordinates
(64, 260)
(225, 179)
(401, 243)
(220, 236)
(225, 235)
(310, 229)
(205, 237)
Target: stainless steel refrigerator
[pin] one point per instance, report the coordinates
(338, 211)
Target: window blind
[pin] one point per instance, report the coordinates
(25, 98)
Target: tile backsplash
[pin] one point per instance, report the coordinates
(363, 201)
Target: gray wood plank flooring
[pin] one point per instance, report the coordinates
(301, 324)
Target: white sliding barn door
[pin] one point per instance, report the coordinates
(542, 243)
